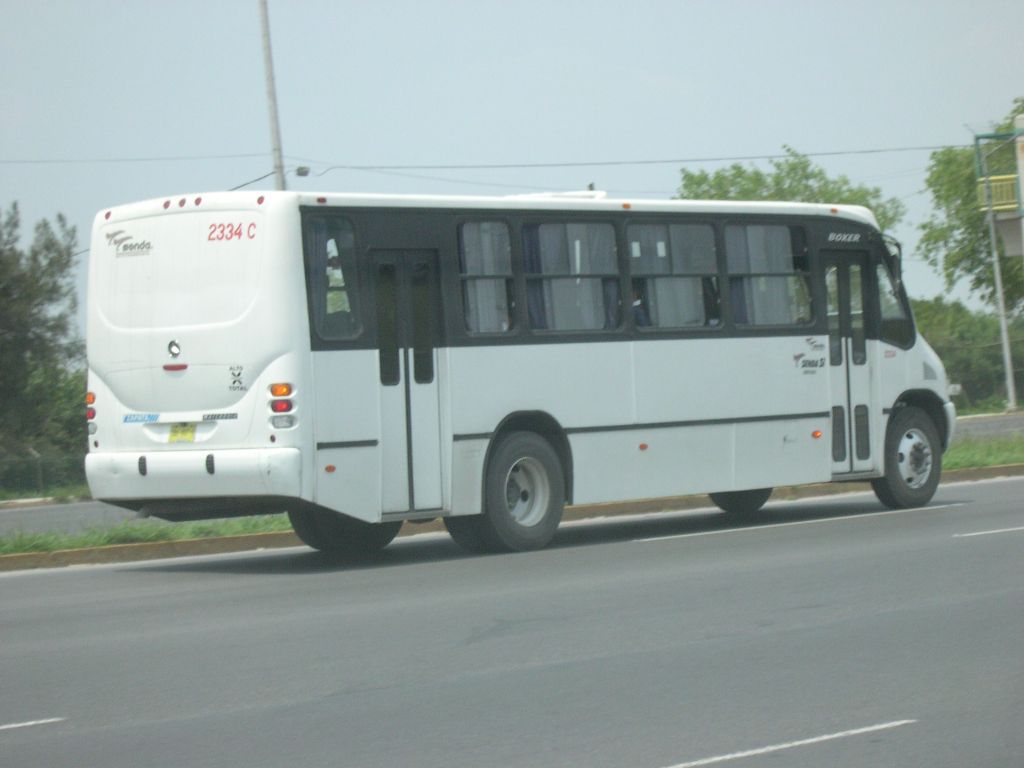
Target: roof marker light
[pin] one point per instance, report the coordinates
(175, 366)
(181, 203)
(259, 200)
(199, 200)
(107, 216)
(321, 200)
(167, 204)
(627, 206)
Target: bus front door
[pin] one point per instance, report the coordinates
(849, 366)
(408, 329)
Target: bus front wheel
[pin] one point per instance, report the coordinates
(741, 503)
(913, 461)
(331, 532)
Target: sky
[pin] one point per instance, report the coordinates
(106, 102)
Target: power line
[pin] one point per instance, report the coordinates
(471, 166)
(161, 159)
(612, 163)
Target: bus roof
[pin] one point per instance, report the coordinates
(553, 201)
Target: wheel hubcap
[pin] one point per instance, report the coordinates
(527, 491)
(914, 458)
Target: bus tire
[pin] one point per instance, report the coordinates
(913, 460)
(524, 493)
(337, 534)
(469, 533)
(741, 503)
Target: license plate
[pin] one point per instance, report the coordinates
(182, 433)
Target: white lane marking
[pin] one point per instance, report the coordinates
(794, 744)
(987, 533)
(768, 527)
(30, 723)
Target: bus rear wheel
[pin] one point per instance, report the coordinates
(524, 495)
(741, 503)
(331, 532)
(913, 461)
(469, 533)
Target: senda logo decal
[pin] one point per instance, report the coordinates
(126, 245)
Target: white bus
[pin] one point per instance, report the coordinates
(362, 360)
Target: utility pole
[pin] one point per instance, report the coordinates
(275, 125)
(1004, 334)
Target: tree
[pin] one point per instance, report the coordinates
(955, 238)
(40, 358)
(793, 177)
(968, 343)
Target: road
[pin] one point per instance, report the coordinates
(995, 425)
(73, 517)
(831, 633)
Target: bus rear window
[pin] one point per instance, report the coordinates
(187, 269)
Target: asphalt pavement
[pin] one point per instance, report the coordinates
(830, 633)
(990, 425)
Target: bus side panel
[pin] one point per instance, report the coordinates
(579, 385)
(353, 486)
(648, 463)
(467, 476)
(761, 390)
(892, 377)
(773, 453)
(348, 433)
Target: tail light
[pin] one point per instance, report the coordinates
(90, 412)
(281, 405)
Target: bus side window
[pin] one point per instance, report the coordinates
(572, 276)
(768, 274)
(333, 282)
(674, 268)
(485, 269)
(896, 326)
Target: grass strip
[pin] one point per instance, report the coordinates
(140, 532)
(58, 495)
(968, 453)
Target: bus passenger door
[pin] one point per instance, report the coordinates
(408, 323)
(849, 367)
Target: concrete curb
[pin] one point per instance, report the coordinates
(126, 553)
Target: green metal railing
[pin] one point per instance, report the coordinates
(1004, 193)
(41, 475)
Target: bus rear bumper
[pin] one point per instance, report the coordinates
(138, 476)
